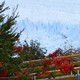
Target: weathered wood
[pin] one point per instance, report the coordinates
(40, 68)
(56, 72)
(66, 78)
(39, 60)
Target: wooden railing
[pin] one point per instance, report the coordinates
(59, 75)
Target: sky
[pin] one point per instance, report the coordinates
(37, 16)
(49, 10)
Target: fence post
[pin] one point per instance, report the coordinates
(34, 78)
(78, 75)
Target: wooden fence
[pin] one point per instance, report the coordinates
(59, 75)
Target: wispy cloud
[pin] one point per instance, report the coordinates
(52, 35)
(67, 11)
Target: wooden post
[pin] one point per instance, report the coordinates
(34, 78)
(78, 75)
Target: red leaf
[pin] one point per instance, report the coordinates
(17, 73)
(45, 72)
(1, 64)
(54, 54)
(46, 62)
(18, 49)
(4, 73)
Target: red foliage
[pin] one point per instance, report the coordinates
(57, 61)
(17, 73)
(4, 73)
(54, 54)
(37, 74)
(45, 72)
(1, 64)
(26, 47)
(65, 68)
(46, 62)
(65, 65)
(18, 49)
(25, 71)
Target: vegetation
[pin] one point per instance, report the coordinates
(10, 65)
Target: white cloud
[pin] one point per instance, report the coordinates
(67, 11)
(51, 35)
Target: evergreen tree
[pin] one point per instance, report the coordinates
(10, 66)
(8, 37)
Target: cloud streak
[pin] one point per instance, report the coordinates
(52, 35)
(66, 11)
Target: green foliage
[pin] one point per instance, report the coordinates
(8, 47)
(37, 50)
(33, 51)
(8, 37)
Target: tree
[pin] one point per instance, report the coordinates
(33, 51)
(10, 66)
(8, 37)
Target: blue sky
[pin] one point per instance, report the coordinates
(51, 35)
(37, 16)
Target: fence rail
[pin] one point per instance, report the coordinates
(59, 75)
